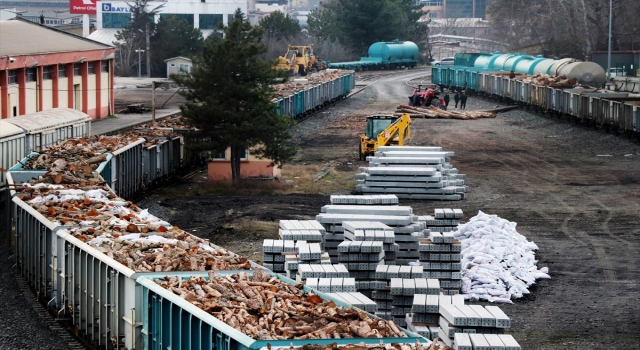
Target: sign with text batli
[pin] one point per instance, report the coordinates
(85, 7)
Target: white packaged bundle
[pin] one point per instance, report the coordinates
(498, 263)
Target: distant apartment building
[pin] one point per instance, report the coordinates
(112, 16)
(456, 8)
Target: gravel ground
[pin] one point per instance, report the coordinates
(22, 327)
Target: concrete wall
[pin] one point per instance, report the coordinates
(252, 166)
(63, 99)
(221, 169)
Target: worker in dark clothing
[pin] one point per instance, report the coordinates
(463, 100)
(456, 98)
(512, 75)
(446, 100)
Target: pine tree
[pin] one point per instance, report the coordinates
(229, 97)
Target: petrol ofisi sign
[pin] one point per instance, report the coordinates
(82, 7)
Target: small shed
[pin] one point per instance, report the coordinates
(178, 66)
(250, 166)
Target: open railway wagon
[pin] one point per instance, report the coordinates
(19, 136)
(304, 96)
(106, 287)
(618, 112)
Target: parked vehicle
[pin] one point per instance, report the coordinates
(447, 61)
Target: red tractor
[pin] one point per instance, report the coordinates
(422, 97)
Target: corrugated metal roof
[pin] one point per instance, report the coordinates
(21, 37)
(49, 119)
(105, 35)
(8, 129)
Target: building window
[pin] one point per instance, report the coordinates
(188, 17)
(184, 68)
(92, 67)
(172, 64)
(432, 3)
(76, 69)
(46, 73)
(209, 21)
(433, 15)
(245, 155)
(229, 18)
(30, 74)
(13, 78)
(115, 20)
(62, 71)
(219, 156)
(105, 66)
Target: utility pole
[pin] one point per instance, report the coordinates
(139, 51)
(609, 50)
(148, 53)
(153, 103)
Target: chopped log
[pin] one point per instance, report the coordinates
(434, 112)
(97, 159)
(500, 109)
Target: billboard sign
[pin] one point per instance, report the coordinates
(87, 7)
(108, 7)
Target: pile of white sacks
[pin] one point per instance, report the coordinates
(498, 263)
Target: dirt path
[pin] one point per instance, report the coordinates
(573, 191)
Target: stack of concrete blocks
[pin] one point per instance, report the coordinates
(402, 291)
(306, 254)
(358, 300)
(440, 252)
(399, 218)
(381, 293)
(413, 173)
(324, 271)
(332, 284)
(382, 199)
(470, 341)
(372, 231)
(272, 256)
(444, 220)
(305, 230)
(425, 313)
(296, 232)
(361, 259)
(482, 324)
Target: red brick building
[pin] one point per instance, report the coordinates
(43, 68)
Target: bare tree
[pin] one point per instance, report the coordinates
(565, 28)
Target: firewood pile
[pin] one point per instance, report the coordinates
(79, 152)
(122, 231)
(176, 122)
(433, 112)
(540, 79)
(389, 346)
(263, 307)
(309, 80)
(151, 136)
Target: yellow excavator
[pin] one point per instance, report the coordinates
(299, 60)
(384, 130)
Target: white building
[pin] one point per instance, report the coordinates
(112, 16)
